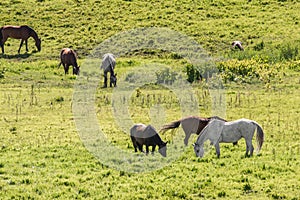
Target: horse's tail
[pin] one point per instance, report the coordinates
(171, 125)
(259, 136)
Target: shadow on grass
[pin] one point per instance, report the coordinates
(16, 56)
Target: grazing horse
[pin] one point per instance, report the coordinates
(218, 131)
(108, 65)
(237, 44)
(68, 57)
(192, 124)
(141, 134)
(19, 32)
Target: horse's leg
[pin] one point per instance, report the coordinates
(66, 67)
(153, 149)
(2, 43)
(249, 147)
(110, 83)
(26, 45)
(217, 146)
(20, 46)
(134, 143)
(186, 139)
(147, 149)
(2, 46)
(140, 147)
(105, 80)
(187, 134)
(135, 146)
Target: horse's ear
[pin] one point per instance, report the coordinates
(115, 74)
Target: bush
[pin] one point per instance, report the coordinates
(192, 73)
(248, 70)
(260, 46)
(289, 52)
(165, 76)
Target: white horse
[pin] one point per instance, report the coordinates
(108, 65)
(218, 131)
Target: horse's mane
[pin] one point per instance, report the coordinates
(206, 131)
(32, 32)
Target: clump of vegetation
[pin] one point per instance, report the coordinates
(248, 71)
(166, 76)
(59, 99)
(260, 46)
(193, 74)
(289, 52)
(2, 72)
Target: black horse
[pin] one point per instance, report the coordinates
(146, 135)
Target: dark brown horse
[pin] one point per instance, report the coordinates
(68, 57)
(192, 124)
(141, 134)
(19, 32)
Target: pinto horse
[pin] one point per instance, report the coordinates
(19, 32)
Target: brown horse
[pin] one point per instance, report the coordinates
(68, 57)
(19, 32)
(192, 124)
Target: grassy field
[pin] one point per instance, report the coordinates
(43, 152)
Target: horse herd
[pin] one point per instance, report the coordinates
(215, 129)
(68, 57)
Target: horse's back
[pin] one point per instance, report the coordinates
(193, 124)
(108, 60)
(137, 130)
(68, 56)
(243, 126)
(239, 121)
(16, 32)
(145, 134)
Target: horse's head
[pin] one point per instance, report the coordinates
(38, 44)
(113, 80)
(76, 70)
(199, 151)
(163, 149)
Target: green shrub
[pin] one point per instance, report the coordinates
(166, 76)
(289, 52)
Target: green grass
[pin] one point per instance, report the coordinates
(42, 154)
(84, 24)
